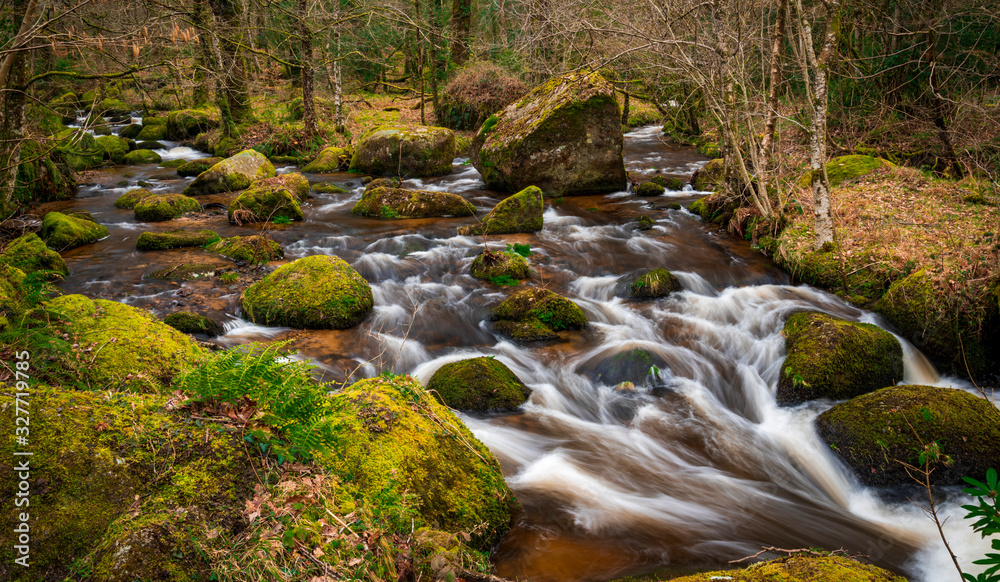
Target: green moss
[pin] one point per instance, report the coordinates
(79, 150)
(172, 163)
(114, 148)
(873, 432)
(61, 232)
(130, 131)
(142, 157)
(152, 133)
(29, 254)
(248, 249)
(478, 384)
(113, 107)
(537, 314)
(129, 199)
(488, 265)
(415, 151)
(331, 159)
(649, 189)
(175, 239)
(150, 145)
(315, 292)
(232, 174)
(709, 177)
(159, 208)
(398, 447)
(124, 345)
(188, 123)
(39, 177)
(668, 182)
(521, 212)
(844, 168)
(187, 322)
(183, 272)
(403, 203)
(644, 222)
(654, 284)
(801, 569)
(266, 200)
(195, 167)
(837, 359)
(328, 189)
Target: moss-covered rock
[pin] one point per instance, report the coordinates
(248, 249)
(653, 284)
(631, 366)
(478, 384)
(414, 151)
(709, 177)
(78, 149)
(331, 159)
(136, 349)
(837, 359)
(192, 323)
(12, 294)
(150, 145)
(537, 314)
(644, 222)
(183, 272)
(130, 131)
(175, 239)
(403, 203)
(268, 199)
(401, 447)
(232, 174)
(158, 208)
(39, 177)
(29, 254)
(873, 432)
(649, 189)
(328, 189)
(668, 182)
(521, 212)
(188, 123)
(195, 167)
(114, 148)
(142, 156)
(113, 107)
(564, 136)
(101, 130)
(801, 569)
(62, 232)
(315, 292)
(490, 265)
(128, 200)
(844, 168)
(152, 133)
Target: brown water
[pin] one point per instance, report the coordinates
(698, 466)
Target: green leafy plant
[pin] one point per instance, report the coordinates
(520, 249)
(987, 516)
(282, 220)
(504, 280)
(229, 277)
(389, 212)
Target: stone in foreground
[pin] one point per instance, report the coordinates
(410, 151)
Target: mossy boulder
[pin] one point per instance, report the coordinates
(801, 569)
(195, 167)
(331, 159)
(649, 189)
(709, 177)
(79, 150)
(130, 131)
(11, 294)
(633, 366)
(175, 239)
(328, 189)
(653, 284)
(232, 174)
(315, 292)
(192, 323)
(537, 314)
(136, 349)
(644, 222)
(414, 151)
(837, 359)
(62, 232)
(150, 145)
(183, 272)
(142, 156)
(668, 182)
(188, 123)
(158, 208)
(490, 265)
(521, 212)
(113, 107)
(114, 148)
(844, 168)
(29, 254)
(128, 200)
(403, 203)
(39, 177)
(874, 432)
(152, 133)
(248, 249)
(401, 447)
(266, 200)
(564, 137)
(478, 384)
(173, 164)
(102, 130)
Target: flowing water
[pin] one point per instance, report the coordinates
(694, 467)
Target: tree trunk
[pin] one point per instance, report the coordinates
(232, 93)
(625, 108)
(940, 109)
(772, 92)
(13, 79)
(308, 99)
(203, 58)
(461, 23)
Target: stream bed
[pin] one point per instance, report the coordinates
(695, 467)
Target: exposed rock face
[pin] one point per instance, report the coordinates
(564, 136)
(410, 151)
(402, 203)
(521, 212)
(232, 174)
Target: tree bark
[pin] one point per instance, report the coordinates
(461, 23)
(308, 97)
(232, 92)
(13, 100)
(203, 58)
